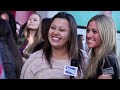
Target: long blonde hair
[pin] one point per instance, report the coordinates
(107, 31)
(37, 38)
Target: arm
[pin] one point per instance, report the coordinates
(110, 69)
(27, 68)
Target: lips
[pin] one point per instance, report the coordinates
(31, 24)
(56, 39)
(90, 40)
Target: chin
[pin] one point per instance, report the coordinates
(90, 46)
(53, 45)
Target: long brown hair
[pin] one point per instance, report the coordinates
(72, 47)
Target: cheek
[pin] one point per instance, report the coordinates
(66, 37)
(37, 25)
(98, 38)
(27, 24)
(98, 41)
(49, 32)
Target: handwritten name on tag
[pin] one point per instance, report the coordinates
(70, 70)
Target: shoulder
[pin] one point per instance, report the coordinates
(39, 46)
(29, 67)
(21, 41)
(36, 54)
(110, 60)
(111, 64)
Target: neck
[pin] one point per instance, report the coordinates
(96, 50)
(31, 36)
(60, 53)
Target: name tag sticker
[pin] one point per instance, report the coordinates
(70, 70)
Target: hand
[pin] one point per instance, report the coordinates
(105, 76)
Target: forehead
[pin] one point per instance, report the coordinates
(35, 16)
(92, 24)
(62, 21)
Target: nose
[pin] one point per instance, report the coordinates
(31, 20)
(56, 32)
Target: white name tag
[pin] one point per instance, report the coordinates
(70, 70)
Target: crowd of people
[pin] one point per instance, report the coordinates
(50, 48)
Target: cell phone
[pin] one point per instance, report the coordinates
(108, 70)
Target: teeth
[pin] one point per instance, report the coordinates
(55, 38)
(90, 40)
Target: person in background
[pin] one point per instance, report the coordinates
(44, 29)
(18, 29)
(10, 58)
(58, 52)
(45, 26)
(80, 39)
(101, 40)
(7, 15)
(31, 36)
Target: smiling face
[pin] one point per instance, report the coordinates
(33, 21)
(58, 34)
(93, 36)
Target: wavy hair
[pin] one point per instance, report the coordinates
(37, 38)
(107, 31)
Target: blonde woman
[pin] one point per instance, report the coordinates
(32, 34)
(101, 40)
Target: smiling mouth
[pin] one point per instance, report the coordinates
(90, 41)
(55, 39)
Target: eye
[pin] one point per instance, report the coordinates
(35, 19)
(87, 30)
(95, 31)
(62, 29)
(52, 27)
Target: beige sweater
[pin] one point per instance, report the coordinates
(37, 68)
